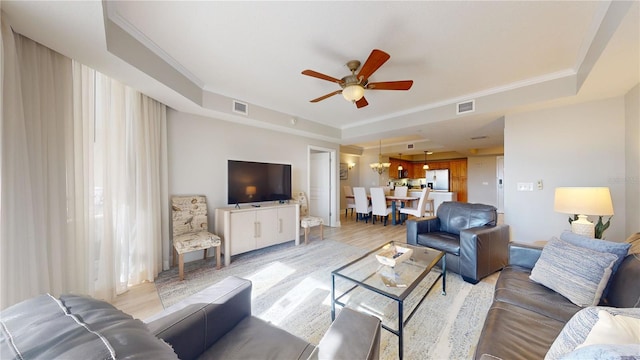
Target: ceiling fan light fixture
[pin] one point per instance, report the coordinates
(353, 92)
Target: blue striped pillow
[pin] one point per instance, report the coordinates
(615, 248)
(577, 273)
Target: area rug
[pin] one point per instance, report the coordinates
(292, 289)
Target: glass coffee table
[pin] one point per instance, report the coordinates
(390, 284)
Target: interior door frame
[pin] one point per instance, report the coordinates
(333, 169)
(500, 183)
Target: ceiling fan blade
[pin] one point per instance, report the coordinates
(361, 103)
(326, 96)
(318, 75)
(375, 60)
(391, 85)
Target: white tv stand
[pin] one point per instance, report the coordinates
(250, 228)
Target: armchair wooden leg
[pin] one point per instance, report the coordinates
(218, 263)
(175, 257)
(181, 266)
(306, 235)
(205, 254)
(321, 232)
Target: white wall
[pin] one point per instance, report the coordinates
(368, 178)
(353, 176)
(576, 145)
(482, 180)
(199, 148)
(632, 150)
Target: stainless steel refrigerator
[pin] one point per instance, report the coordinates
(438, 179)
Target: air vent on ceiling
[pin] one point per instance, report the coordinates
(240, 107)
(409, 146)
(465, 107)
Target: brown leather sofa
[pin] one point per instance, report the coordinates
(213, 324)
(474, 245)
(525, 317)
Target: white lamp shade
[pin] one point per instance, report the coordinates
(353, 92)
(583, 200)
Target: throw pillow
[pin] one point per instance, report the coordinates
(577, 329)
(634, 242)
(605, 352)
(613, 329)
(577, 273)
(620, 249)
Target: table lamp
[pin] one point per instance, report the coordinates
(583, 201)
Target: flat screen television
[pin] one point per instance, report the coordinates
(250, 182)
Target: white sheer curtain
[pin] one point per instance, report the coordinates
(128, 180)
(83, 178)
(37, 106)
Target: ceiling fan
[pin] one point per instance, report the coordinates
(354, 85)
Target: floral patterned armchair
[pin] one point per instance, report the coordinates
(191, 230)
(307, 221)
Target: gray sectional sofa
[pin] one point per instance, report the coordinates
(526, 318)
(213, 324)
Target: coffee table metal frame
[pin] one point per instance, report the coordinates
(381, 291)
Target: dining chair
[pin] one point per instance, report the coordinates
(400, 191)
(379, 205)
(308, 221)
(351, 203)
(363, 209)
(430, 207)
(190, 229)
(419, 210)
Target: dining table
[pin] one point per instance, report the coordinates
(403, 200)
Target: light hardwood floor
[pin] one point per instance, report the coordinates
(142, 301)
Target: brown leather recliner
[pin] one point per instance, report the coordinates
(475, 245)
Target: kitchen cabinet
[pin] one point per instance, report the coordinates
(418, 171)
(407, 168)
(459, 178)
(457, 173)
(253, 228)
(393, 169)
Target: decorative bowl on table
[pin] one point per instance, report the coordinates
(391, 255)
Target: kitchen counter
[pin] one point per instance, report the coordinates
(438, 196)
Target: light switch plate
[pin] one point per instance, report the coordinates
(525, 186)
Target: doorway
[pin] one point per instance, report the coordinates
(321, 180)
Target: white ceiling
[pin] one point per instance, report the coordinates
(507, 55)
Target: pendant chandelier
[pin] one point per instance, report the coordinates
(380, 166)
(425, 166)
